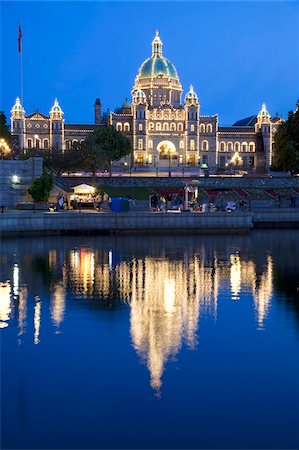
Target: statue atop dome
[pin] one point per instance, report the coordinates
(157, 45)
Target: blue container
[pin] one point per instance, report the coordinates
(116, 204)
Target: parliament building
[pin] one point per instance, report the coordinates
(165, 127)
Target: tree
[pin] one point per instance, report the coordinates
(41, 187)
(286, 155)
(102, 147)
(4, 130)
(57, 161)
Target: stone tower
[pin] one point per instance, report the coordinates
(97, 111)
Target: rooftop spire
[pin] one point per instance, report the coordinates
(157, 45)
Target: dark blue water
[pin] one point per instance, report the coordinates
(150, 342)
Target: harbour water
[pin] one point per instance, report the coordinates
(150, 342)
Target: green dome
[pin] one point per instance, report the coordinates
(126, 104)
(157, 65)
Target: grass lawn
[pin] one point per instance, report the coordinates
(137, 193)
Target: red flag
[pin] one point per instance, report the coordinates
(20, 39)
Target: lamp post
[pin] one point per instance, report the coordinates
(169, 155)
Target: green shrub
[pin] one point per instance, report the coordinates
(41, 187)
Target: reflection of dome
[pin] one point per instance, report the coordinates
(157, 65)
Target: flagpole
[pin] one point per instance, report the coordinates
(21, 69)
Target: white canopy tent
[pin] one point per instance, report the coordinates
(84, 189)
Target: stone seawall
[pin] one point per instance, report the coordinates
(25, 222)
(19, 223)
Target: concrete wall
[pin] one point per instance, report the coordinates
(12, 191)
(146, 222)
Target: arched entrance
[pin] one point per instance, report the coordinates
(167, 153)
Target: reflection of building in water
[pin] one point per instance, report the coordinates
(16, 275)
(58, 295)
(37, 317)
(166, 300)
(262, 293)
(5, 304)
(22, 310)
(57, 306)
(81, 270)
(166, 296)
(242, 275)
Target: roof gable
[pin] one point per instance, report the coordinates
(37, 116)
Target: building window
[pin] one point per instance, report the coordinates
(29, 143)
(209, 128)
(205, 146)
(140, 144)
(192, 128)
(126, 126)
(46, 144)
(229, 146)
(251, 147)
(158, 126)
(165, 126)
(244, 146)
(202, 128)
(150, 144)
(222, 161)
(173, 127)
(181, 145)
(37, 143)
(151, 126)
(140, 127)
(237, 146)
(192, 144)
(180, 127)
(222, 146)
(119, 127)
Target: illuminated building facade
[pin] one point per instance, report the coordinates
(164, 129)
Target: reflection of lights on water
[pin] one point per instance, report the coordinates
(166, 298)
(22, 310)
(37, 315)
(169, 295)
(235, 276)
(110, 258)
(262, 294)
(76, 258)
(15, 278)
(57, 303)
(5, 304)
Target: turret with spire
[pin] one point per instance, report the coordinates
(18, 122)
(56, 126)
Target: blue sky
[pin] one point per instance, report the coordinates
(236, 54)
